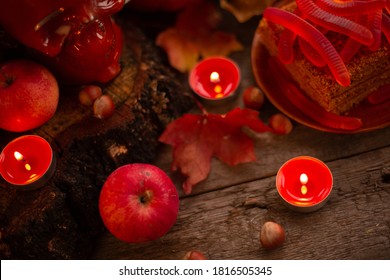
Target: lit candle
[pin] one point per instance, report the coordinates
(215, 78)
(304, 183)
(27, 162)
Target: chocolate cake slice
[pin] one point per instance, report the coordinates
(369, 70)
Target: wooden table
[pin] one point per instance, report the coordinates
(223, 215)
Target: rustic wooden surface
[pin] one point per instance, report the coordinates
(223, 215)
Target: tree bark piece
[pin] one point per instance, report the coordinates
(61, 220)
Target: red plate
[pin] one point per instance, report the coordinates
(373, 116)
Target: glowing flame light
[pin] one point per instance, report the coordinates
(304, 179)
(214, 77)
(19, 157)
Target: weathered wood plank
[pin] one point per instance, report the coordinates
(273, 150)
(354, 224)
(215, 219)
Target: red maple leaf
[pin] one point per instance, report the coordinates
(195, 139)
(195, 35)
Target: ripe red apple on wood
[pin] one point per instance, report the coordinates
(28, 95)
(138, 203)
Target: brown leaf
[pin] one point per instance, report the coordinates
(182, 53)
(195, 35)
(219, 44)
(243, 10)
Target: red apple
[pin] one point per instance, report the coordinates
(28, 95)
(138, 203)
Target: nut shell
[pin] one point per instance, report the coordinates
(253, 98)
(194, 255)
(272, 235)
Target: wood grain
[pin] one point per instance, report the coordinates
(223, 215)
(225, 223)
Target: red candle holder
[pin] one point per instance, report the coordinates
(304, 183)
(27, 162)
(215, 78)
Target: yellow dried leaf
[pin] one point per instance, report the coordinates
(243, 10)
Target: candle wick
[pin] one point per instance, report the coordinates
(19, 157)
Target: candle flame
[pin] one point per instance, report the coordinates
(214, 77)
(18, 156)
(304, 179)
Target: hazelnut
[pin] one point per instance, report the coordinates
(89, 94)
(253, 98)
(280, 124)
(103, 107)
(194, 255)
(272, 235)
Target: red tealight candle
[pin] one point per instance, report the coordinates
(27, 162)
(215, 78)
(304, 183)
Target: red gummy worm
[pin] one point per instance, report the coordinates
(316, 39)
(310, 53)
(352, 7)
(386, 26)
(375, 25)
(336, 23)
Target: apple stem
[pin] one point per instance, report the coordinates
(5, 81)
(146, 197)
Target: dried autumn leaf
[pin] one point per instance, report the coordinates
(182, 53)
(195, 139)
(243, 10)
(220, 44)
(192, 38)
